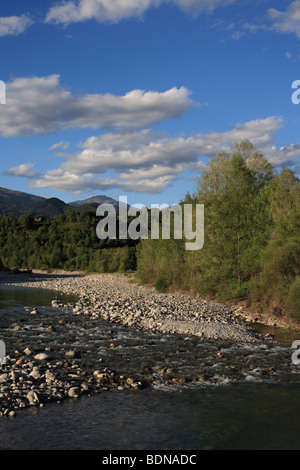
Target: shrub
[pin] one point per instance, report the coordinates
(160, 285)
(294, 299)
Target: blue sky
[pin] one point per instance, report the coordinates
(133, 97)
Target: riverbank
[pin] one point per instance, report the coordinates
(117, 299)
(85, 347)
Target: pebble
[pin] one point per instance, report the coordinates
(135, 305)
(74, 392)
(36, 377)
(42, 357)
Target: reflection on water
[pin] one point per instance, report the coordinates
(282, 335)
(11, 296)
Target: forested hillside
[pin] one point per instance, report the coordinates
(67, 242)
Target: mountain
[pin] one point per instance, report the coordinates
(11, 197)
(95, 200)
(50, 208)
(18, 203)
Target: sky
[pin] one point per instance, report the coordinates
(134, 97)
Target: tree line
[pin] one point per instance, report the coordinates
(67, 242)
(252, 236)
(252, 239)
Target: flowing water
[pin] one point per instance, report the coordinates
(204, 394)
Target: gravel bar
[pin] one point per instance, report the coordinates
(118, 299)
(37, 373)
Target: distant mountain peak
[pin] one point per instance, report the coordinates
(101, 199)
(17, 203)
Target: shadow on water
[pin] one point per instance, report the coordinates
(21, 277)
(257, 409)
(256, 417)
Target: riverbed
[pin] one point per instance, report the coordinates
(196, 392)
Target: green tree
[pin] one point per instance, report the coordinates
(280, 260)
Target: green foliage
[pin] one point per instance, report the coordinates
(252, 230)
(67, 242)
(252, 238)
(160, 285)
(294, 299)
(280, 259)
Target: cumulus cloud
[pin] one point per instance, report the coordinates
(286, 21)
(142, 161)
(14, 25)
(40, 105)
(22, 171)
(107, 11)
(283, 156)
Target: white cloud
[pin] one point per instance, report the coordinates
(274, 20)
(22, 171)
(108, 11)
(40, 105)
(283, 156)
(142, 161)
(14, 25)
(286, 21)
(60, 145)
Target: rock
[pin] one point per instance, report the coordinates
(73, 355)
(49, 376)
(27, 351)
(201, 378)
(42, 357)
(33, 398)
(13, 376)
(20, 361)
(35, 373)
(84, 387)
(102, 376)
(74, 392)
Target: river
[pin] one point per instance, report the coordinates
(232, 396)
